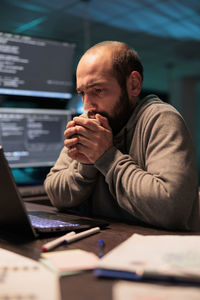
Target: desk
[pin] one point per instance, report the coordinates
(86, 285)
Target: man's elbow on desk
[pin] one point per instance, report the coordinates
(179, 214)
(175, 210)
(60, 195)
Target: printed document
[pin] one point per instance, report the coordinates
(154, 256)
(24, 278)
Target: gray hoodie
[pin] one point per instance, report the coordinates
(148, 176)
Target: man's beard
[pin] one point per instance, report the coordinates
(121, 113)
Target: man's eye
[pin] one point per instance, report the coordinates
(98, 91)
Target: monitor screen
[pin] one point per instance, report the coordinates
(35, 67)
(32, 137)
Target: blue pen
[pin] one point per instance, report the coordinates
(101, 246)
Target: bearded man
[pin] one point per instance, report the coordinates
(130, 159)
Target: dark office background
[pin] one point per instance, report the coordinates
(166, 34)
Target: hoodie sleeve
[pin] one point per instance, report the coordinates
(157, 181)
(69, 183)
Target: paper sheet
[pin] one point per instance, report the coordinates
(140, 291)
(24, 278)
(69, 262)
(169, 255)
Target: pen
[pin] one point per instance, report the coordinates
(52, 244)
(101, 246)
(81, 235)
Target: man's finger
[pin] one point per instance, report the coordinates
(103, 121)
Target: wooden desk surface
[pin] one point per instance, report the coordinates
(85, 285)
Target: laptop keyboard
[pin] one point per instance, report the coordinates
(42, 222)
(46, 223)
(52, 222)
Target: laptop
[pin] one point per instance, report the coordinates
(15, 217)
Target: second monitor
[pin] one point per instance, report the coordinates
(32, 137)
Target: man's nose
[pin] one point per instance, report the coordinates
(88, 103)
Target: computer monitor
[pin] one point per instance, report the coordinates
(35, 67)
(32, 137)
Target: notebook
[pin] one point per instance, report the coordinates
(15, 217)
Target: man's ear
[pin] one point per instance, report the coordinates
(134, 84)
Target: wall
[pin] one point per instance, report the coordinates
(185, 96)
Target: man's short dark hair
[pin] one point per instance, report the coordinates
(124, 60)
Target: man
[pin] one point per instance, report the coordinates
(137, 163)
